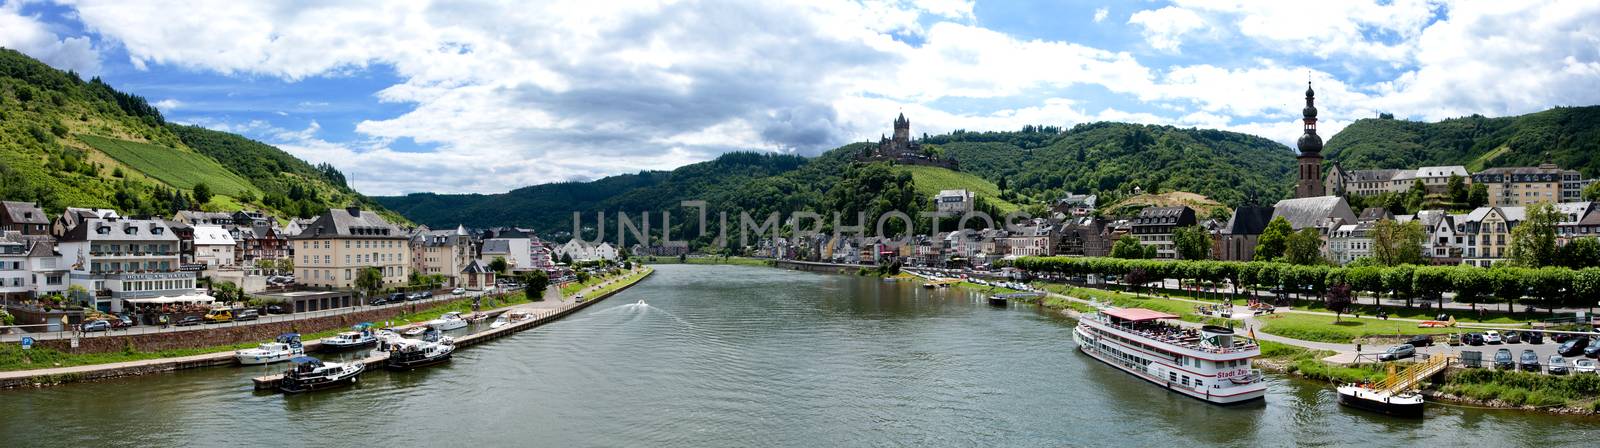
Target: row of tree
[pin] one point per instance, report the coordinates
(1546, 287)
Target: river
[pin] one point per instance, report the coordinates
(706, 356)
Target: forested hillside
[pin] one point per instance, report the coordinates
(1012, 170)
(67, 142)
(1566, 136)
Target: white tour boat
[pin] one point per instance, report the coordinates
(449, 321)
(286, 347)
(1210, 364)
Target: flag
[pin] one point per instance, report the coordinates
(1252, 332)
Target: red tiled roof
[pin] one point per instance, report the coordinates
(1139, 314)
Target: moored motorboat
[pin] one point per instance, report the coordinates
(997, 301)
(407, 354)
(359, 336)
(500, 322)
(1210, 364)
(284, 348)
(415, 331)
(311, 374)
(449, 321)
(1403, 404)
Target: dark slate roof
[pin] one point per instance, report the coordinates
(1312, 212)
(117, 230)
(475, 267)
(1248, 220)
(1372, 175)
(350, 223)
(1374, 214)
(497, 246)
(1162, 212)
(23, 213)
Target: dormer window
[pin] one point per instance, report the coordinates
(131, 230)
(103, 230)
(156, 230)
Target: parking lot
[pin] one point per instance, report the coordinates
(1439, 347)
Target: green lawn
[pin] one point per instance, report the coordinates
(175, 167)
(929, 180)
(1323, 328)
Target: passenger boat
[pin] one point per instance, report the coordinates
(286, 347)
(1209, 364)
(311, 374)
(407, 354)
(449, 321)
(359, 336)
(1362, 396)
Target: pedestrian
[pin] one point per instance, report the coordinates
(1358, 348)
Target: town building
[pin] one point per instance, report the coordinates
(122, 262)
(1488, 234)
(332, 250)
(199, 218)
(213, 246)
(1085, 236)
(1350, 241)
(1524, 186)
(27, 219)
(1236, 240)
(1310, 159)
(955, 202)
(1322, 212)
(1154, 227)
(1073, 205)
(1037, 238)
(1443, 245)
(257, 241)
(443, 252)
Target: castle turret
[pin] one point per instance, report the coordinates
(902, 129)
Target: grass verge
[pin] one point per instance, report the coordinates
(1310, 327)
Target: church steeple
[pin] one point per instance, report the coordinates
(1310, 178)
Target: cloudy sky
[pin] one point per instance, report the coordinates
(485, 96)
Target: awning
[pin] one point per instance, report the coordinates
(189, 298)
(1138, 314)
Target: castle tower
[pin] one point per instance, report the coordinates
(902, 129)
(1310, 184)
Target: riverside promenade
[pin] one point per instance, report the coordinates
(544, 311)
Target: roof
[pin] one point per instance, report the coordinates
(1513, 214)
(120, 230)
(1371, 175)
(23, 213)
(475, 267)
(211, 235)
(1442, 171)
(1138, 314)
(1312, 212)
(350, 223)
(1162, 212)
(1248, 220)
(1375, 214)
(497, 246)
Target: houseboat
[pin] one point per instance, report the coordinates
(1364, 396)
(1209, 363)
(311, 374)
(408, 354)
(359, 336)
(449, 321)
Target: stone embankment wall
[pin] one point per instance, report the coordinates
(212, 336)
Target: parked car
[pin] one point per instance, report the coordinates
(190, 321)
(1512, 337)
(1558, 365)
(95, 325)
(122, 322)
(1533, 337)
(397, 297)
(458, 291)
(1529, 361)
(1573, 347)
(1492, 337)
(1560, 338)
(1397, 352)
(247, 315)
(1454, 339)
(277, 309)
(427, 294)
(378, 301)
(1593, 350)
(1583, 366)
(1503, 359)
(1474, 338)
(219, 315)
(1420, 340)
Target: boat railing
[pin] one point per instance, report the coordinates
(1186, 339)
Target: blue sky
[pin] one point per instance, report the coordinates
(487, 96)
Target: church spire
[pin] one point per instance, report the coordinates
(1309, 141)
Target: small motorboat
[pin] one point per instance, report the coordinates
(997, 301)
(449, 321)
(312, 374)
(415, 331)
(286, 347)
(1403, 404)
(500, 322)
(520, 315)
(408, 354)
(359, 336)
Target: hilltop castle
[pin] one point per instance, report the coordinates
(902, 149)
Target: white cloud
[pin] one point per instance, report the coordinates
(1100, 14)
(1165, 28)
(26, 33)
(168, 105)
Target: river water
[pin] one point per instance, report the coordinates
(707, 356)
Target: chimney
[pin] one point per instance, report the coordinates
(354, 211)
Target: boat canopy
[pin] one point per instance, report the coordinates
(1138, 314)
(305, 360)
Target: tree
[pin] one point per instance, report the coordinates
(1339, 300)
(1127, 247)
(566, 259)
(202, 194)
(1508, 284)
(583, 277)
(1305, 247)
(1586, 286)
(1458, 190)
(1274, 240)
(498, 265)
(536, 281)
(1192, 242)
(1533, 241)
(1394, 244)
(1478, 195)
(369, 280)
(1592, 192)
(1471, 285)
(267, 265)
(622, 253)
(1397, 279)
(226, 291)
(286, 265)
(1416, 195)
(1580, 253)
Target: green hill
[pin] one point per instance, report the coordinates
(67, 142)
(930, 180)
(1566, 136)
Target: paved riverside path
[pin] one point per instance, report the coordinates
(225, 357)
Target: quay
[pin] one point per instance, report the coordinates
(270, 382)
